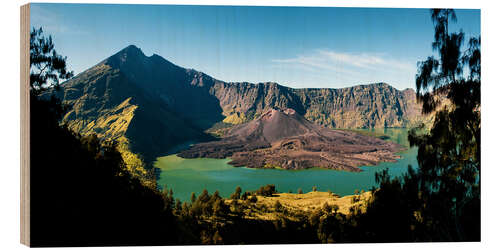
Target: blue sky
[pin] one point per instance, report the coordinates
(295, 46)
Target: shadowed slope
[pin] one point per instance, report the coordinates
(151, 105)
(108, 100)
(184, 90)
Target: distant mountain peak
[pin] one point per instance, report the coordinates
(131, 49)
(156, 56)
(172, 104)
(128, 55)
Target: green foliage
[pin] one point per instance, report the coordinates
(220, 208)
(236, 208)
(237, 193)
(205, 206)
(449, 155)
(253, 199)
(335, 208)
(217, 239)
(278, 207)
(440, 200)
(330, 227)
(47, 67)
(81, 190)
(267, 190)
(81, 193)
(327, 208)
(245, 195)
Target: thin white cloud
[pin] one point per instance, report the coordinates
(329, 68)
(312, 62)
(348, 63)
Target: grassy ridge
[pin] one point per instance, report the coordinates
(297, 205)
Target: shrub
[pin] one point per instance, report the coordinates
(237, 194)
(267, 190)
(335, 208)
(253, 199)
(220, 208)
(327, 208)
(278, 206)
(245, 195)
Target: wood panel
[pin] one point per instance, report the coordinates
(25, 125)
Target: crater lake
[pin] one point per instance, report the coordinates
(185, 176)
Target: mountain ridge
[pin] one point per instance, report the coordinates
(153, 105)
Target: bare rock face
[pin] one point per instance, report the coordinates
(281, 138)
(156, 105)
(375, 105)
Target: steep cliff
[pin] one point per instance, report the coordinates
(110, 101)
(151, 105)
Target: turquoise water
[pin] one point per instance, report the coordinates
(193, 175)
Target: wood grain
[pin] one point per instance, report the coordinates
(25, 125)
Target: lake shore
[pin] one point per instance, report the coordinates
(185, 176)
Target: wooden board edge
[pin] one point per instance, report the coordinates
(25, 124)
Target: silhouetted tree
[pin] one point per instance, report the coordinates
(438, 201)
(81, 193)
(47, 67)
(245, 195)
(449, 155)
(253, 199)
(193, 197)
(335, 208)
(204, 196)
(220, 208)
(277, 206)
(236, 194)
(267, 190)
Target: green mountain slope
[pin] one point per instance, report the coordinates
(106, 101)
(150, 105)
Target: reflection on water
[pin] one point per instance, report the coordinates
(193, 175)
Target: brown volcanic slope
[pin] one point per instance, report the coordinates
(150, 105)
(285, 139)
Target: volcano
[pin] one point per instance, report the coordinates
(282, 138)
(152, 106)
